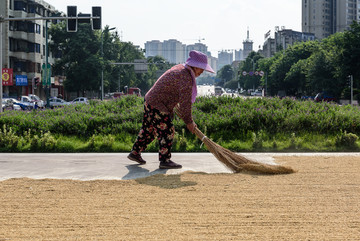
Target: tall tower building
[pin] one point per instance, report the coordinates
(326, 17)
(247, 46)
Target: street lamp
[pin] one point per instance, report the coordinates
(102, 66)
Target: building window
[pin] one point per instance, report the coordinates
(20, 5)
(32, 8)
(37, 28)
(31, 27)
(11, 45)
(37, 48)
(20, 66)
(11, 26)
(31, 47)
(38, 68)
(20, 26)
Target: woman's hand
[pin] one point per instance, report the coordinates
(191, 127)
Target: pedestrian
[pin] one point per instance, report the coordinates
(176, 87)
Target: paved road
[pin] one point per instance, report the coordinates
(106, 166)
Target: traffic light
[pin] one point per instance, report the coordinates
(37, 81)
(71, 23)
(96, 23)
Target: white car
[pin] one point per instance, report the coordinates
(80, 100)
(12, 103)
(256, 93)
(57, 102)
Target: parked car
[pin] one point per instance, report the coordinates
(6, 104)
(256, 93)
(323, 96)
(219, 90)
(57, 102)
(80, 100)
(12, 104)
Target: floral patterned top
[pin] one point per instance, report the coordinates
(173, 87)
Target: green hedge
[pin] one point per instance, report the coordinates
(237, 123)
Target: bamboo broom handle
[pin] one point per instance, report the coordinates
(197, 132)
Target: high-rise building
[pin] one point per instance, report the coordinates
(24, 42)
(326, 17)
(153, 48)
(282, 40)
(174, 51)
(239, 55)
(198, 47)
(287, 37)
(225, 58)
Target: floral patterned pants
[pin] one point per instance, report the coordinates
(155, 124)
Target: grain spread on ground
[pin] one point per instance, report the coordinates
(321, 201)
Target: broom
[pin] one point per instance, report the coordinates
(235, 162)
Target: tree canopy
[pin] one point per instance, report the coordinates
(85, 53)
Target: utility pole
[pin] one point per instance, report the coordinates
(102, 65)
(351, 89)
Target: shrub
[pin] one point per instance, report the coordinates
(8, 139)
(345, 139)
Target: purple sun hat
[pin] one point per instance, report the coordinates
(199, 60)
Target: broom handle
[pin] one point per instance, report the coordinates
(197, 132)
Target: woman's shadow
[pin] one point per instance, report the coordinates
(137, 171)
(156, 177)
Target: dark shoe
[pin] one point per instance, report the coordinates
(136, 158)
(169, 165)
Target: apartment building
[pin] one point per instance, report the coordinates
(153, 48)
(225, 57)
(175, 52)
(326, 17)
(24, 43)
(283, 39)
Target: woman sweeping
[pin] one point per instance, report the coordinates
(177, 86)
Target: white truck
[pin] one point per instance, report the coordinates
(26, 103)
(40, 103)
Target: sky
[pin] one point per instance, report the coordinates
(220, 24)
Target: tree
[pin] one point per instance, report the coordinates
(250, 65)
(80, 61)
(278, 77)
(225, 74)
(351, 54)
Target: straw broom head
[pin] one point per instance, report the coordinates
(239, 163)
(235, 162)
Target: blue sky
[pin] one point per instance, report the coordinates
(222, 23)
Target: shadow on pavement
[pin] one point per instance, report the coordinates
(137, 171)
(156, 178)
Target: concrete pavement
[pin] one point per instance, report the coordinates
(116, 166)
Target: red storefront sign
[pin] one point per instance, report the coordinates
(7, 77)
